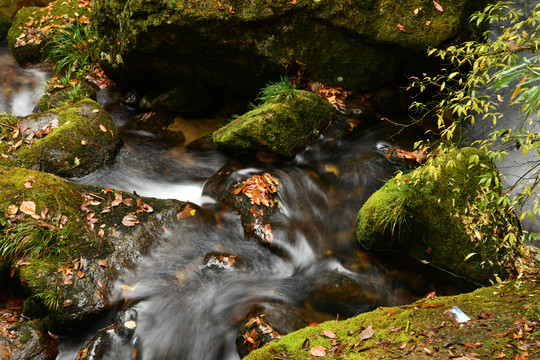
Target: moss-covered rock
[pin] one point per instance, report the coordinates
(66, 96)
(433, 216)
(33, 27)
(239, 45)
(26, 340)
(69, 253)
(422, 330)
(5, 24)
(281, 127)
(75, 140)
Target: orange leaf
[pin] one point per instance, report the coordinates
(130, 220)
(29, 208)
(103, 262)
(329, 334)
(318, 351)
(103, 128)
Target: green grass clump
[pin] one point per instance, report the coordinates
(277, 91)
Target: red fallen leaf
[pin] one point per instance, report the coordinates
(402, 29)
(318, 351)
(438, 6)
(67, 302)
(100, 284)
(367, 333)
(103, 262)
(231, 10)
(329, 334)
(130, 220)
(106, 190)
(390, 312)
(431, 295)
(313, 324)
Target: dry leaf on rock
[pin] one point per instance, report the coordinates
(318, 351)
(130, 220)
(29, 208)
(367, 333)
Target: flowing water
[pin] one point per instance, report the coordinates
(188, 305)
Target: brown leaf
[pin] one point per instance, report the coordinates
(4, 155)
(128, 202)
(80, 274)
(329, 334)
(318, 351)
(103, 262)
(45, 213)
(185, 211)
(305, 345)
(101, 232)
(367, 333)
(67, 302)
(63, 219)
(19, 143)
(29, 208)
(117, 200)
(438, 6)
(402, 29)
(130, 220)
(403, 346)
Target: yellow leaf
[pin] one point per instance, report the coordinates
(103, 128)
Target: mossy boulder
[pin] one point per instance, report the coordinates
(78, 239)
(66, 96)
(436, 216)
(422, 330)
(281, 127)
(33, 27)
(238, 46)
(5, 24)
(26, 340)
(75, 140)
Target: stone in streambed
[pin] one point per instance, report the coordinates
(281, 126)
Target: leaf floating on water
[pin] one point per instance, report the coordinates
(438, 6)
(130, 220)
(367, 333)
(318, 351)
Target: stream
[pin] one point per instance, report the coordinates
(184, 303)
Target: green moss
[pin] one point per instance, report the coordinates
(25, 337)
(279, 127)
(85, 140)
(26, 42)
(430, 225)
(422, 325)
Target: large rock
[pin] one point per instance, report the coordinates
(281, 127)
(33, 27)
(238, 46)
(69, 250)
(70, 141)
(5, 24)
(435, 217)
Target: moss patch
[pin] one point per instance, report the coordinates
(280, 127)
(430, 228)
(33, 26)
(422, 330)
(82, 138)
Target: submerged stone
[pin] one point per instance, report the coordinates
(434, 217)
(281, 127)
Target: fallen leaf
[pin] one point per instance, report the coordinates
(12, 209)
(67, 302)
(130, 220)
(19, 143)
(185, 211)
(437, 6)
(45, 213)
(117, 200)
(318, 351)
(402, 29)
(80, 274)
(367, 333)
(107, 190)
(417, 10)
(101, 232)
(4, 155)
(130, 324)
(29, 208)
(83, 141)
(403, 346)
(329, 334)
(103, 128)
(390, 312)
(305, 345)
(103, 262)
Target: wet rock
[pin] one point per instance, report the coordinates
(32, 28)
(70, 141)
(114, 341)
(433, 231)
(238, 47)
(155, 125)
(66, 96)
(282, 126)
(26, 340)
(5, 24)
(92, 236)
(185, 99)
